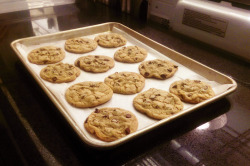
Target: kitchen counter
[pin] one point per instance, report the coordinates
(33, 132)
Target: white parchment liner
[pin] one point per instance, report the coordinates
(118, 100)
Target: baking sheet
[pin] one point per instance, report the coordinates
(77, 116)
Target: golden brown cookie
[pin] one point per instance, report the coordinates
(110, 124)
(160, 69)
(157, 104)
(88, 94)
(125, 82)
(110, 40)
(192, 91)
(46, 55)
(59, 73)
(80, 45)
(130, 54)
(95, 63)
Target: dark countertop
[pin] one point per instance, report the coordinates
(33, 132)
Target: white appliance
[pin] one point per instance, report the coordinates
(217, 23)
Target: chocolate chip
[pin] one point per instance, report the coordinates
(163, 76)
(153, 99)
(128, 116)
(78, 63)
(160, 65)
(190, 94)
(175, 86)
(170, 70)
(149, 62)
(127, 130)
(110, 77)
(105, 116)
(175, 66)
(146, 74)
(54, 79)
(197, 81)
(86, 120)
(97, 110)
(45, 61)
(143, 67)
(96, 56)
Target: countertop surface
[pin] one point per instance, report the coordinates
(33, 132)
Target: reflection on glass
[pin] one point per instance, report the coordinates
(214, 124)
(184, 152)
(45, 25)
(203, 126)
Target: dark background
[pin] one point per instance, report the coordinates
(33, 132)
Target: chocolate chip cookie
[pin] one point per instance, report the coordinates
(125, 82)
(88, 94)
(160, 69)
(110, 124)
(46, 55)
(95, 63)
(80, 45)
(130, 54)
(110, 40)
(60, 72)
(192, 91)
(157, 104)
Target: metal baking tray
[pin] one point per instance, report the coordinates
(188, 68)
